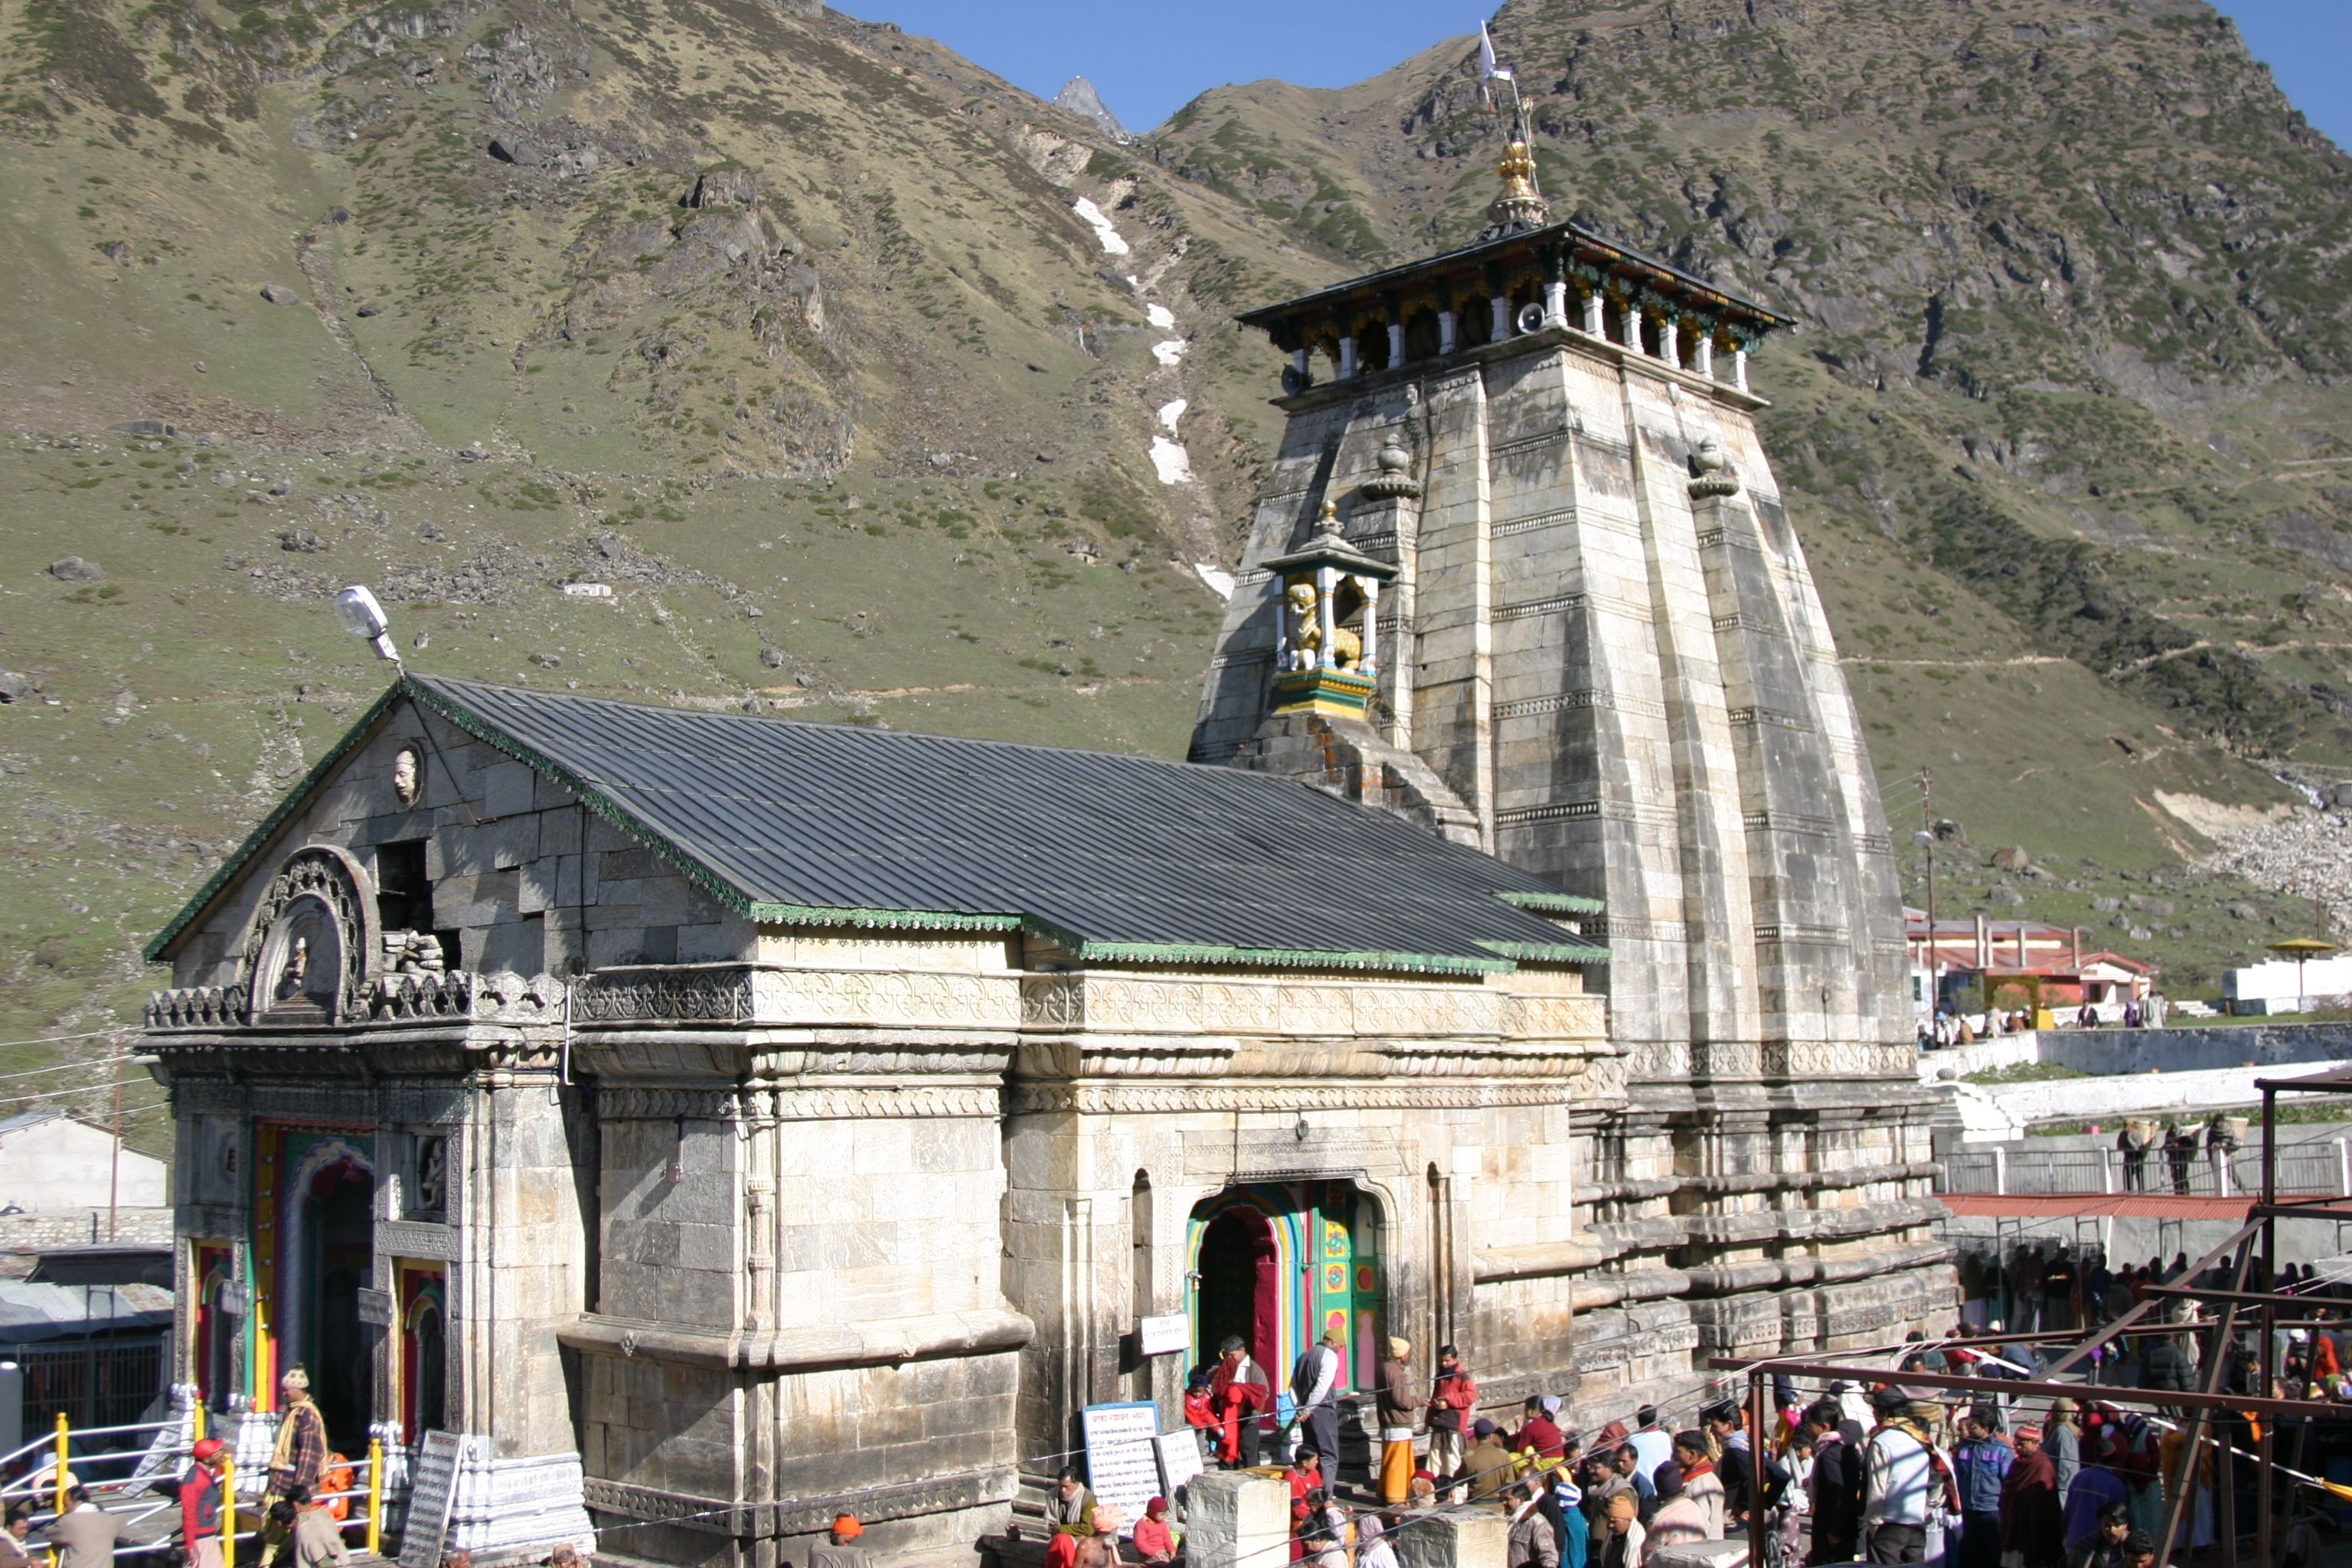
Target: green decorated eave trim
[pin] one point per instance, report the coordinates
(1555, 903)
(1550, 952)
(1290, 958)
(879, 919)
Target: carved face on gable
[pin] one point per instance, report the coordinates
(407, 776)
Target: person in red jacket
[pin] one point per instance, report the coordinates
(1238, 1394)
(1452, 1397)
(200, 1504)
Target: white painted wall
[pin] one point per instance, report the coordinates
(63, 1164)
(1999, 1113)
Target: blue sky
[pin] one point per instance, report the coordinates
(1148, 57)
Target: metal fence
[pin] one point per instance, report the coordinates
(2306, 1169)
(91, 1383)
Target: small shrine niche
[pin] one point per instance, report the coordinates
(1326, 648)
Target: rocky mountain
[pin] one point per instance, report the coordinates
(1078, 96)
(737, 351)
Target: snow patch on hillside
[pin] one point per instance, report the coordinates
(1112, 241)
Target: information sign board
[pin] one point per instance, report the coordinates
(432, 1490)
(1122, 1457)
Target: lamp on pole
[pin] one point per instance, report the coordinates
(1926, 841)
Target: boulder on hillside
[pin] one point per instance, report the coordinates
(278, 294)
(15, 686)
(114, 251)
(2002, 893)
(727, 185)
(2011, 857)
(517, 151)
(74, 569)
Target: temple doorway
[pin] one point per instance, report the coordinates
(1277, 1264)
(324, 1217)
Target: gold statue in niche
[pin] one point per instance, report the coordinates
(1307, 617)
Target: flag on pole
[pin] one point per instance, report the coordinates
(1488, 71)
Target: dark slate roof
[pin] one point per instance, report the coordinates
(1122, 858)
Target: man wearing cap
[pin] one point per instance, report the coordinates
(299, 1460)
(1315, 1385)
(1238, 1391)
(840, 1550)
(200, 1504)
(1398, 1407)
(1452, 1395)
(1488, 1464)
(2032, 1527)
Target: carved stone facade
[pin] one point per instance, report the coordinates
(1607, 663)
(731, 1224)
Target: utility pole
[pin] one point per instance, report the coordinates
(1926, 839)
(114, 1176)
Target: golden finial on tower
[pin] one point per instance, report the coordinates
(1521, 205)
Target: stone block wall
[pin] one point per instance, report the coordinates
(1609, 652)
(529, 877)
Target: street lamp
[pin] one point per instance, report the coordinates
(364, 617)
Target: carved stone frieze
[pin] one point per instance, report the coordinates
(1191, 1005)
(771, 995)
(1113, 1098)
(667, 994)
(414, 1239)
(845, 1103)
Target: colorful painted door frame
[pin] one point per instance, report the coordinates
(1308, 1253)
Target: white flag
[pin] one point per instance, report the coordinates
(1486, 66)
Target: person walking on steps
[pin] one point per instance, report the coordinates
(1315, 1385)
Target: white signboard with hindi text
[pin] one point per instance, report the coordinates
(1122, 1457)
(1180, 1461)
(1170, 1334)
(432, 1489)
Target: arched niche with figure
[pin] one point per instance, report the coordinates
(305, 953)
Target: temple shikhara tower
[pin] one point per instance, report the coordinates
(1522, 574)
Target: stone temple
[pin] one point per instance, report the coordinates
(718, 1121)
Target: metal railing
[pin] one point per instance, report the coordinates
(2308, 1169)
(148, 1452)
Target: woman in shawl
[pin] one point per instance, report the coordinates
(1372, 1547)
(2032, 1527)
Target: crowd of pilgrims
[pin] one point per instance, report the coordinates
(1877, 1474)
